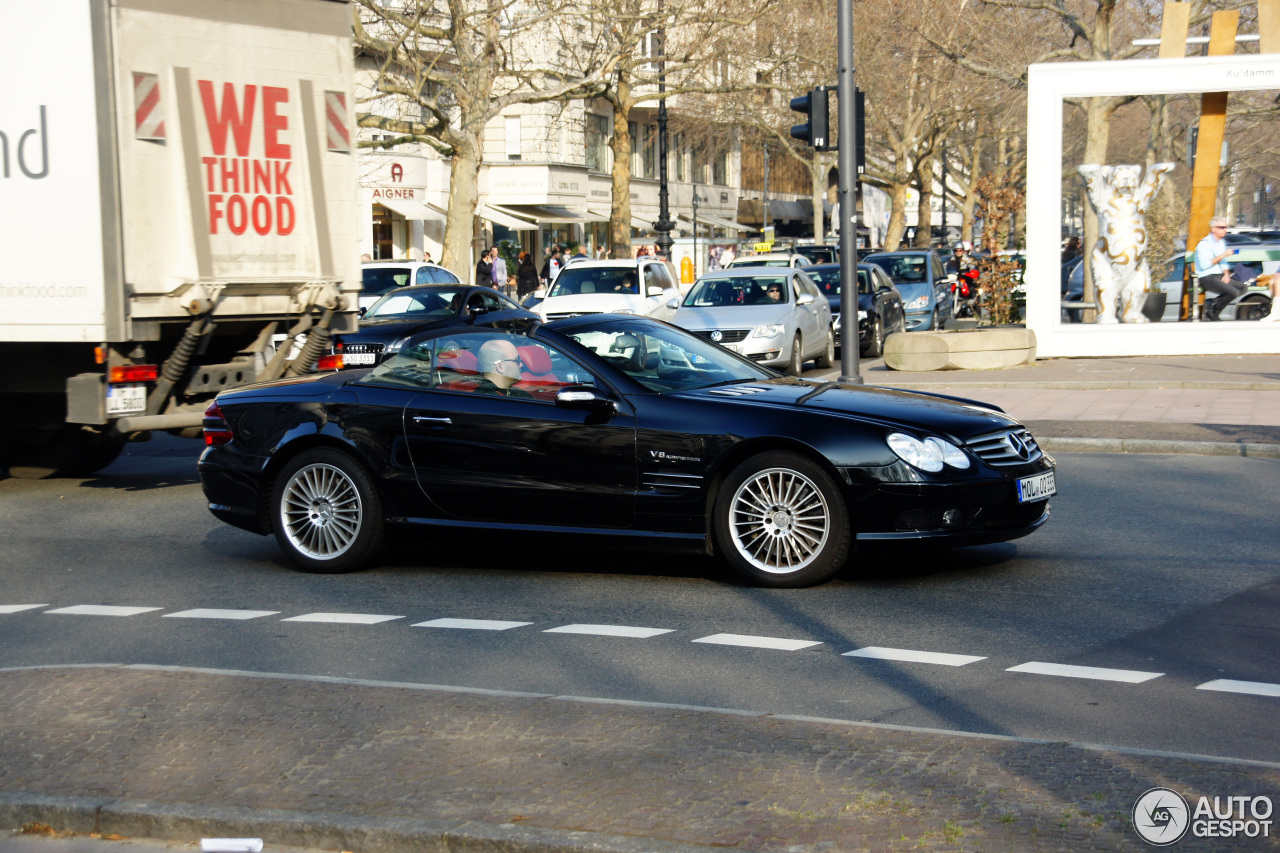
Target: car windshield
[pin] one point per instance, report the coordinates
(720, 291)
(378, 280)
(576, 280)
(818, 254)
(828, 281)
(433, 302)
(661, 357)
(903, 269)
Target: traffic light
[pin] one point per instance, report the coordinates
(816, 107)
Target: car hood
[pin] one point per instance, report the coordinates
(914, 290)
(913, 411)
(866, 302)
(595, 303)
(732, 316)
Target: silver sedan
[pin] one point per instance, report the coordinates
(773, 316)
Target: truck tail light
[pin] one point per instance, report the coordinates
(216, 431)
(329, 362)
(133, 373)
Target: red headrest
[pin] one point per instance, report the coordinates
(458, 359)
(536, 359)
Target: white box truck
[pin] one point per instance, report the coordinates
(177, 189)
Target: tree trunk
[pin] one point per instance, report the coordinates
(620, 145)
(1098, 114)
(897, 217)
(464, 179)
(924, 212)
(818, 173)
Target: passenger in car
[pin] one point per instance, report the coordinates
(499, 361)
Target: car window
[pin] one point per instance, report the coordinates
(938, 272)
(443, 276)
(662, 358)
(721, 291)
(881, 280)
(576, 280)
(378, 280)
(464, 362)
(435, 301)
(827, 281)
(807, 285)
(424, 276)
(901, 269)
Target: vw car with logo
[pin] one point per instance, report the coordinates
(646, 286)
(614, 428)
(776, 317)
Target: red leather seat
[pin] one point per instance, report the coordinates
(458, 370)
(536, 376)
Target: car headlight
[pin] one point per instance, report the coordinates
(928, 455)
(918, 304)
(623, 311)
(769, 330)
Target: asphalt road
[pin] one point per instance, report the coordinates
(1159, 571)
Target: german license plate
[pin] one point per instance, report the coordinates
(730, 347)
(126, 399)
(1037, 488)
(350, 359)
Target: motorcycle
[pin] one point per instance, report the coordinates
(964, 293)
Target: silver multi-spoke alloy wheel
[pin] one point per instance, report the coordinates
(779, 520)
(321, 511)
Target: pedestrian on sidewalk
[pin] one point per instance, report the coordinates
(526, 276)
(484, 269)
(498, 269)
(1212, 274)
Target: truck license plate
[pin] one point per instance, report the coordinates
(1037, 488)
(126, 399)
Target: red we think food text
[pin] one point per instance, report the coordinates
(244, 191)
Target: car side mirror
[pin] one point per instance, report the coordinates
(805, 299)
(673, 303)
(655, 290)
(584, 398)
(883, 288)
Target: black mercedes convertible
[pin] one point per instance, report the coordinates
(609, 425)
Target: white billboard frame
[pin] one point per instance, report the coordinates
(1048, 85)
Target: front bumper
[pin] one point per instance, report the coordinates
(919, 321)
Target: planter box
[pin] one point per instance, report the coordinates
(972, 349)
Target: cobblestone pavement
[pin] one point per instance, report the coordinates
(663, 775)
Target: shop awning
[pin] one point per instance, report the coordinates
(641, 224)
(506, 220)
(412, 209)
(596, 215)
(543, 214)
(724, 223)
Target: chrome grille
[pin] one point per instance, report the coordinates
(1006, 448)
(728, 336)
(373, 348)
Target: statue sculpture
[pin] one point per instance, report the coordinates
(1119, 196)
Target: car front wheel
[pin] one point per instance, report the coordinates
(780, 521)
(795, 365)
(327, 514)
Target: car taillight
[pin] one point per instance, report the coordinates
(329, 362)
(133, 373)
(216, 431)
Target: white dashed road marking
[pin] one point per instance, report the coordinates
(102, 610)
(757, 642)
(912, 656)
(472, 624)
(18, 608)
(343, 618)
(1253, 688)
(609, 631)
(213, 613)
(1129, 676)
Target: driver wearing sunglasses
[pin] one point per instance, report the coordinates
(499, 361)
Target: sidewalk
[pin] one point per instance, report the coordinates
(166, 753)
(1226, 404)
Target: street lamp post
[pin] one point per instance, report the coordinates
(695, 231)
(664, 224)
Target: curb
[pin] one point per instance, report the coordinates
(1152, 445)
(319, 830)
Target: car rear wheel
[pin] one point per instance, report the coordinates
(327, 514)
(795, 365)
(780, 521)
(875, 346)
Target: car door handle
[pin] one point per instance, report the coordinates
(423, 419)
